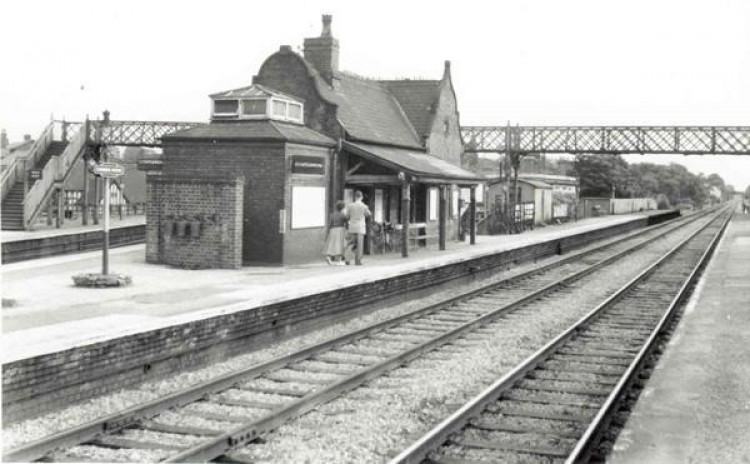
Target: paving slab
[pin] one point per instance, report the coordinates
(44, 312)
(696, 406)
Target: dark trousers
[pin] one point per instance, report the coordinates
(357, 244)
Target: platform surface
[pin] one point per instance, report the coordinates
(696, 406)
(69, 227)
(49, 314)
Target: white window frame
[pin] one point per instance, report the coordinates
(253, 116)
(273, 103)
(301, 112)
(236, 113)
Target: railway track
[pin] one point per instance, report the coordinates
(202, 422)
(555, 405)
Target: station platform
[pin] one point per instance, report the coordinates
(68, 228)
(696, 405)
(44, 313)
(72, 237)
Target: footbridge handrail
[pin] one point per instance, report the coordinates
(136, 133)
(17, 171)
(687, 140)
(54, 172)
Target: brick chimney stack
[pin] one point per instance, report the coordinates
(323, 52)
(4, 140)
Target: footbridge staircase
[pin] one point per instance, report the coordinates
(30, 181)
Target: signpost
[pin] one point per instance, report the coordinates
(107, 171)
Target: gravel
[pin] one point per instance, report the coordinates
(174, 418)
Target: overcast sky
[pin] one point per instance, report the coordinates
(572, 62)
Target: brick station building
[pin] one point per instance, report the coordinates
(256, 185)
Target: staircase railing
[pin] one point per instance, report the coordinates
(55, 171)
(18, 170)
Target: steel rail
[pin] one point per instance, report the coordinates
(593, 432)
(218, 446)
(419, 450)
(85, 432)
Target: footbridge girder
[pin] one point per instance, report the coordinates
(680, 140)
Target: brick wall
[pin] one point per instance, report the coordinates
(444, 144)
(211, 208)
(40, 384)
(264, 168)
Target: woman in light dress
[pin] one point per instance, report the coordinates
(335, 242)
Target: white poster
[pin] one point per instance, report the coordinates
(433, 204)
(308, 207)
(455, 203)
(378, 213)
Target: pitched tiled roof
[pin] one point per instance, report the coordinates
(369, 112)
(413, 162)
(418, 99)
(253, 130)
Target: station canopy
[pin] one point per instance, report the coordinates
(424, 167)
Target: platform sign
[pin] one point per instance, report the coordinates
(109, 170)
(308, 165)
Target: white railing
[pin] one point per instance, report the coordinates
(71, 153)
(55, 171)
(17, 171)
(37, 193)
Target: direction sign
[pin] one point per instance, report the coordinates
(109, 170)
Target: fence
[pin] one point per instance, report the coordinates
(593, 207)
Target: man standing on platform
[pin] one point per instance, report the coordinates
(358, 213)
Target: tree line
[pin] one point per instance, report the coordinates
(669, 184)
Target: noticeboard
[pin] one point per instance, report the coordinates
(308, 165)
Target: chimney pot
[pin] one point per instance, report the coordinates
(327, 26)
(26, 137)
(285, 49)
(323, 52)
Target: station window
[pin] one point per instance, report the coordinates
(295, 112)
(279, 108)
(226, 106)
(255, 107)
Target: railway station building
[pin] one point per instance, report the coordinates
(256, 184)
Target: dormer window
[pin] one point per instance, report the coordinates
(228, 107)
(254, 107)
(256, 102)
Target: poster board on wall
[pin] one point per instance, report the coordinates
(378, 213)
(433, 204)
(308, 207)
